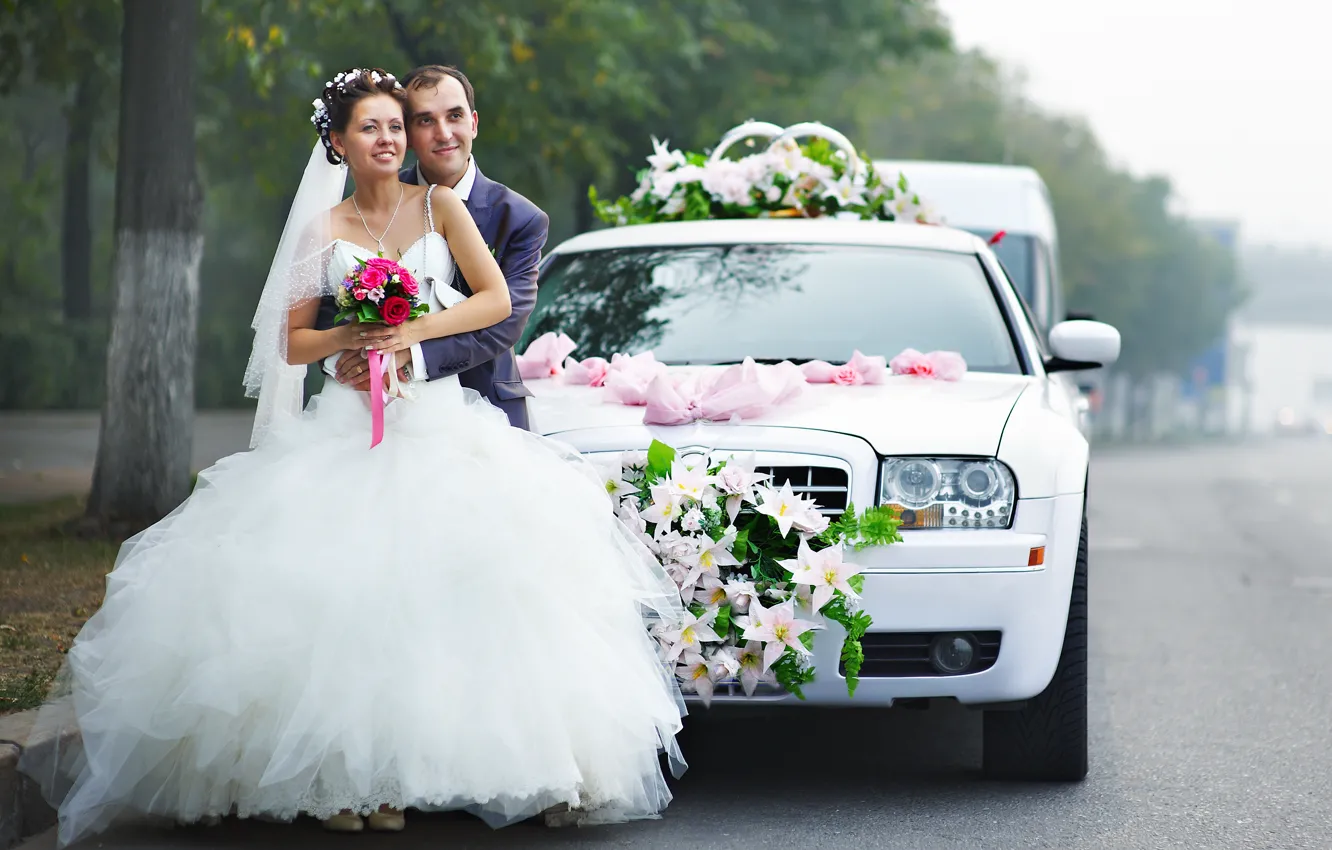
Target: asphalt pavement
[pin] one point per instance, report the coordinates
(1211, 687)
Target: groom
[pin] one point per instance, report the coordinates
(441, 126)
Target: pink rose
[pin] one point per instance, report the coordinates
(848, 376)
(359, 293)
(384, 264)
(409, 285)
(373, 277)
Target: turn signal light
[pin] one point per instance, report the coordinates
(1037, 556)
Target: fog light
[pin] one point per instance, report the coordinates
(952, 654)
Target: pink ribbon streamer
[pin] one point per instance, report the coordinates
(744, 391)
(377, 397)
(628, 378)
(856, 371)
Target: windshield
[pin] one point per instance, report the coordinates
(721, 303)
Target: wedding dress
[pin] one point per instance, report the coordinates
(453, 619)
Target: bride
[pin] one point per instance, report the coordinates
(453, 619)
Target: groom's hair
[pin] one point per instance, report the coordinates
(430, 76)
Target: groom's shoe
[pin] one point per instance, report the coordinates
(344, 822)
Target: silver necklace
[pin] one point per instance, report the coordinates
(380, 240)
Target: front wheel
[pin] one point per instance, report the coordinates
(1047, 739)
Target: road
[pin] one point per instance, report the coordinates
(1211, 683)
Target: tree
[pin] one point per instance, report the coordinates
(143, 454)
(70, 46)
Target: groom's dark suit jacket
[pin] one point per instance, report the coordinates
(516, 229)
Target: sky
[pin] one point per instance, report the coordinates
(1228, 99)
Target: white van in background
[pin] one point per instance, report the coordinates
(986, 199)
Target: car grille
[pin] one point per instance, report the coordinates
(827, 485)
(895, 654)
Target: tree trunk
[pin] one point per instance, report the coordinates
(76, 229)
(146, 440)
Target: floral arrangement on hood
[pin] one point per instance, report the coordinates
(788, 178)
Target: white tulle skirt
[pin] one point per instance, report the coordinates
(452, 620)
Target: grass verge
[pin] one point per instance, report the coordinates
(51, 582)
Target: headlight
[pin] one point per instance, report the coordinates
(934, 492)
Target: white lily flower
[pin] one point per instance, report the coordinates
(753, 670)
(663, 511)
(663, 158)
(712, 555)
(824, 571)
(780, 629)
(783, 505)
(712, 592)
(695, 673)
(692, 633)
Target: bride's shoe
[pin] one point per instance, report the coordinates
(386, 820)
(562, 815)
(345, 821)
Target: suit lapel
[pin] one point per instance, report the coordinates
(480, 203)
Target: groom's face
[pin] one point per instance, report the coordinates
(440, 129)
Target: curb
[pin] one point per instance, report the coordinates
(23, 812)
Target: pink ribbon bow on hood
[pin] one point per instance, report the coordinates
(744, 391)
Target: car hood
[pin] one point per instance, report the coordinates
(902, 416)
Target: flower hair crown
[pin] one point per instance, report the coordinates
(321, 119)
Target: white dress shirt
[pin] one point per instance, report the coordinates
(464, 191)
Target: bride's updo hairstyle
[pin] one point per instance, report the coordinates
(333, 110)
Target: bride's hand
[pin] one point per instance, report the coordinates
(390, 339)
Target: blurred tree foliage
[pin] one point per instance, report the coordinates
(569, 92)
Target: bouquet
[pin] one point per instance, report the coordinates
(379, 290)
(748, 560)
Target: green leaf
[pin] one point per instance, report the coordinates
(878, 527)
(722, 624)
(853, 656)
(741, 548)
(660, 458)
(857, 582)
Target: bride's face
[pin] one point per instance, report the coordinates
(375, 139)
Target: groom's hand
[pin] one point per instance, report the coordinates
(354, 369)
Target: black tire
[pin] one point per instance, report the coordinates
(1046, 740)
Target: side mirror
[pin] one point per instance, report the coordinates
(1081, 344)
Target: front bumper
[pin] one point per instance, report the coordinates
(962, 581)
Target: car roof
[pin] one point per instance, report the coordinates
(820, 231)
